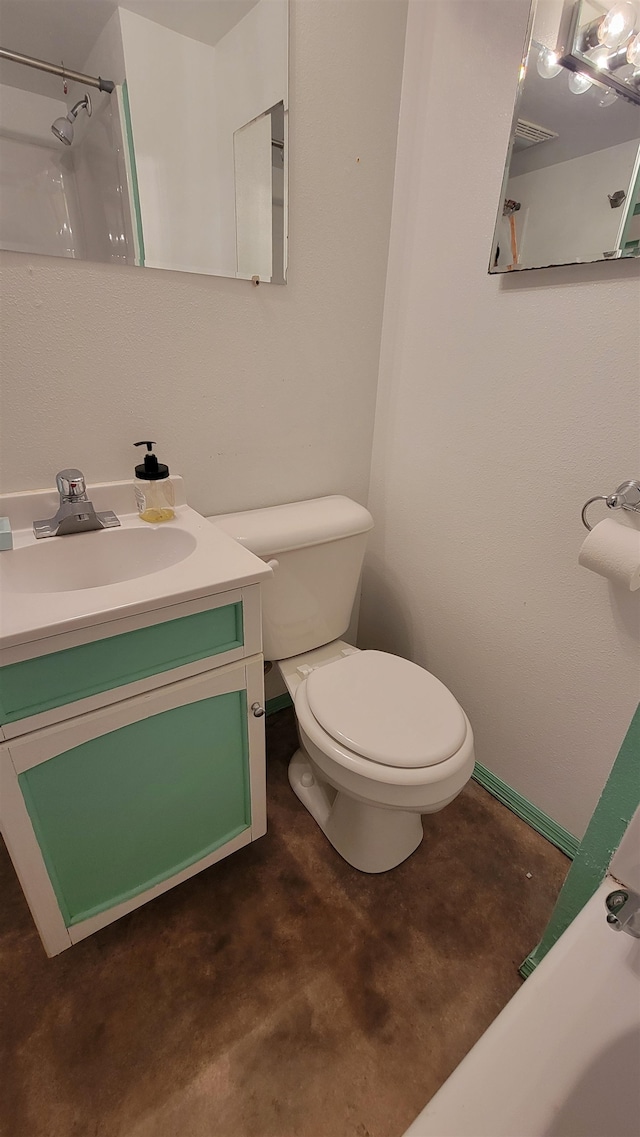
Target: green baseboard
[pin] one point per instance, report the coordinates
(526, 968)
(530, 813)
(514, 801)
(278, 703)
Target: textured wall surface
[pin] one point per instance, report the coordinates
(504, 403)
(256, 395)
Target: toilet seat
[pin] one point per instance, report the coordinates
(383, 709)
(389, 785)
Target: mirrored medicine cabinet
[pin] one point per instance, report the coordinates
(155, 136)
(571, 188)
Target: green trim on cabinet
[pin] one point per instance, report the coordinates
(278, 703)
(618, 802)
(530, 813)
(132, 807)
(48, 681)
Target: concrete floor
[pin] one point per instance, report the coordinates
(280, 993)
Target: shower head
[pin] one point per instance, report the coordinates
(63, 130)
(63, 127)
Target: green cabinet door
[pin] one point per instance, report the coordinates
(134, 806)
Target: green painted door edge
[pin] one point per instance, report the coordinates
(618, 802)
(135, 190)
(278, 703)
(529, 812)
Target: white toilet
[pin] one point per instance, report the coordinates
(381, 740)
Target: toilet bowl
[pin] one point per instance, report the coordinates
(382, 741)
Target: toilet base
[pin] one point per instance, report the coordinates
(369, 837)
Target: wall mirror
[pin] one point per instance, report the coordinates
(154, 135)
(571, 190)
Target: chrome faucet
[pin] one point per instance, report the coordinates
(76, 514)
(623, 908)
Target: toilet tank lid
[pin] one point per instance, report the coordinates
(297, 525)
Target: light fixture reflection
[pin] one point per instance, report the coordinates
(633, 51)
(547, 64)
(618, 24)
(600, 57)
(604, 97)
(579, 82)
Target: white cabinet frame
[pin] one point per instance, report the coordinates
(27, 751)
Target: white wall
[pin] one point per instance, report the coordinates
(100, 168)
(504, 403)
(106, 57)
(243, 93)
(175, 147)
(27, 115)
(253, 149)
(255, 395)
(184, 158)
(565, 214)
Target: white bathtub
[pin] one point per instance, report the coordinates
(563, 1057)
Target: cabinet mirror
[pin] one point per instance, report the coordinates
(571, 190)
(149, 133)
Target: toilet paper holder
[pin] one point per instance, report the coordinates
(627, 496)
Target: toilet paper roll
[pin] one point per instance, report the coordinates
(613, 550)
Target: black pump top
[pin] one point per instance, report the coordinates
(151, 469)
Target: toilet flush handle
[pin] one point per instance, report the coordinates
(273, 565)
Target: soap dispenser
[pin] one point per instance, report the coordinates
(154, 491)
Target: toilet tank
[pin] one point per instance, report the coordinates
(319, 546)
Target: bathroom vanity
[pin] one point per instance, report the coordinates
(131, 709)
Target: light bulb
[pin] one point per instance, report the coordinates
(605, 97)
(547, 64)
(633, 51)
(579, 83)
(618, 24)
(599, 56)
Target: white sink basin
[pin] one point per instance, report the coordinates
(55, 585)
(93, 560)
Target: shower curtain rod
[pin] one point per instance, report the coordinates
(57, 69)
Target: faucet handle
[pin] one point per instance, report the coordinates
(71, 485)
